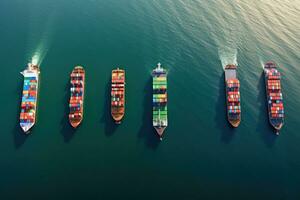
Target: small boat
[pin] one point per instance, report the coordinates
(274, 96)
(77, 81)
(233, 95)
(29, 97)
(160, 108)
(118, 95)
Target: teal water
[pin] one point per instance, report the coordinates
(201, 157)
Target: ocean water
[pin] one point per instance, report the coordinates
(200, 157)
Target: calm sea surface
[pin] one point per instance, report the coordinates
(201, 157)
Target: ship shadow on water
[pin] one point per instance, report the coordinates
(67, 130)
(147, 132)
(109, 124)
(222, 124)
(19, 136)
(264, 127)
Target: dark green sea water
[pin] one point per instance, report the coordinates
(201, 157)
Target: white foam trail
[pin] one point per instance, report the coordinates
(227, 56)
(35, 59)
(40, 37)
(262, 63)
(40, 53)
(38, 56)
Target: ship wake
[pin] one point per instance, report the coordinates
(40, 34)
(262, 63)
(227, 56)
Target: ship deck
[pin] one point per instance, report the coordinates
(230, 73)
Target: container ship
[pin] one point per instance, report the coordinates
(77, 81)
(274, 96)
(29, 97)
(118, 95)
(160, 109)
(233, 100)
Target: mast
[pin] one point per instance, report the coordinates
(159, 117)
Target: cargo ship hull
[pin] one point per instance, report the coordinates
(232, 96)
(118, 95)
(274, 96)
(160, 107)
(76, 103)
(29, 101)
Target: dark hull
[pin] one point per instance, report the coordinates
(160, 131)
(76, 122)
(234, 122)
(118, 112)
(230, 72)
(275, 123)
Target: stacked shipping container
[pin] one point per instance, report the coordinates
(274, 94)
(28, 105)
(233, 97)
(77, 96)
